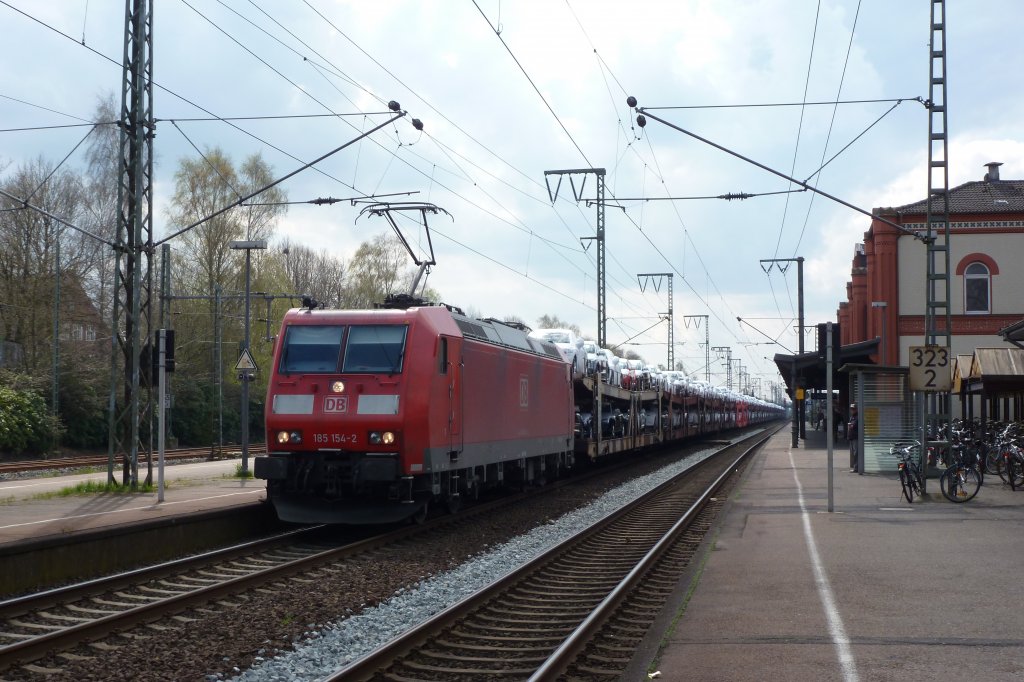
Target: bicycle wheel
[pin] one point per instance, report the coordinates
(915, 480)
(1015, 472)
(992, 460)
(1002, 466)
(908, 489)
(959, 483)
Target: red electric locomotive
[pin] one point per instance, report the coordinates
(373, 414)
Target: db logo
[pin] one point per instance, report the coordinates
(335, 403)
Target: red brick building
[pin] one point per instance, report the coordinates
(886, 294)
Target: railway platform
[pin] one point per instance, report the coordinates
(876, 589)
(32, 509)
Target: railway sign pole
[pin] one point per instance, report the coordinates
(245, 363)
(161, 411)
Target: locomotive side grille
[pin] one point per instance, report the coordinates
(471, 328)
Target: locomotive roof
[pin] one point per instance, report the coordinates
(501, 334)
(439, 318)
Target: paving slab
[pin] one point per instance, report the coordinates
(877, 589)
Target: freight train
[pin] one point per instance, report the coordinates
(374, 415)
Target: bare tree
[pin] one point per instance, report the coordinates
(375, 271)
(28, 261)
(552, 322)
(203, 259)
(318, 274)
(102, 176)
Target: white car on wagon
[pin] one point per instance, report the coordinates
(569, 346)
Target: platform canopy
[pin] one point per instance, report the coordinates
(996, 370)
(1014, 333)
(810, 367)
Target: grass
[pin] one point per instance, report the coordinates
(94, 487)
(239, 473)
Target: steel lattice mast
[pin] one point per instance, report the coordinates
(602, 336)
(130, 421)
(937, 212)
(643, 278)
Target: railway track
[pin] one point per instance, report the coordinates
(580, 608)
(93, 461)
(35, 630)
(36, 624)
(39, 625)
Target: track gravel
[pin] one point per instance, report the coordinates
(306, 627)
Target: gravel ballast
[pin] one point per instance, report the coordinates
(336, 646)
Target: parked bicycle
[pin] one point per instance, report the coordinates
(907, 454)
(962, 477)
(1009, 458)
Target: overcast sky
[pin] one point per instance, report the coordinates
(507, 90)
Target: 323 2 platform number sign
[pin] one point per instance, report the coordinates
(929, 368)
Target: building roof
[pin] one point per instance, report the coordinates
(961, 371)
(998, 196)
(811, 366)
(1013, 333)
(997, 370)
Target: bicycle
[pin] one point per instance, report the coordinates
(1009, 457)
(910, 473)
(961, 480)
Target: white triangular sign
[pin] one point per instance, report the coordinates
(245, 361)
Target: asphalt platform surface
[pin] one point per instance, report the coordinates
(876, 589)
(33, 508)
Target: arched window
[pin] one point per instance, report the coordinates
(977, 289)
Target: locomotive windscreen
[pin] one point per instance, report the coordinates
(311, 350)
(375, 348)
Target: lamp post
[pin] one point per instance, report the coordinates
(245, 371)
(882, 305)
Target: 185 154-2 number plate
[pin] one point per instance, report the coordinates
(335, 438)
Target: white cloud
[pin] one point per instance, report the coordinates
(678, 52)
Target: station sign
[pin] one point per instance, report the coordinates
(929, 369)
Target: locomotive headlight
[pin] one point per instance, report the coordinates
(338, 387)
(285, 437)
(382, 438)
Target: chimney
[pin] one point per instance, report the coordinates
(993, 171)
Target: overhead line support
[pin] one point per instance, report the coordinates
(602, 313)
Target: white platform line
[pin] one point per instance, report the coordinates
(828, 601)
(154, 507)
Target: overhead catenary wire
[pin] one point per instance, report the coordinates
(186, 100)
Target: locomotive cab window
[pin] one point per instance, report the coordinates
(311, 350)
(375, 348)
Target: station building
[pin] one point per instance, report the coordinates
(886, 294)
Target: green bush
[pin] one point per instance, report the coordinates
(83, 407)
(26, 426)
